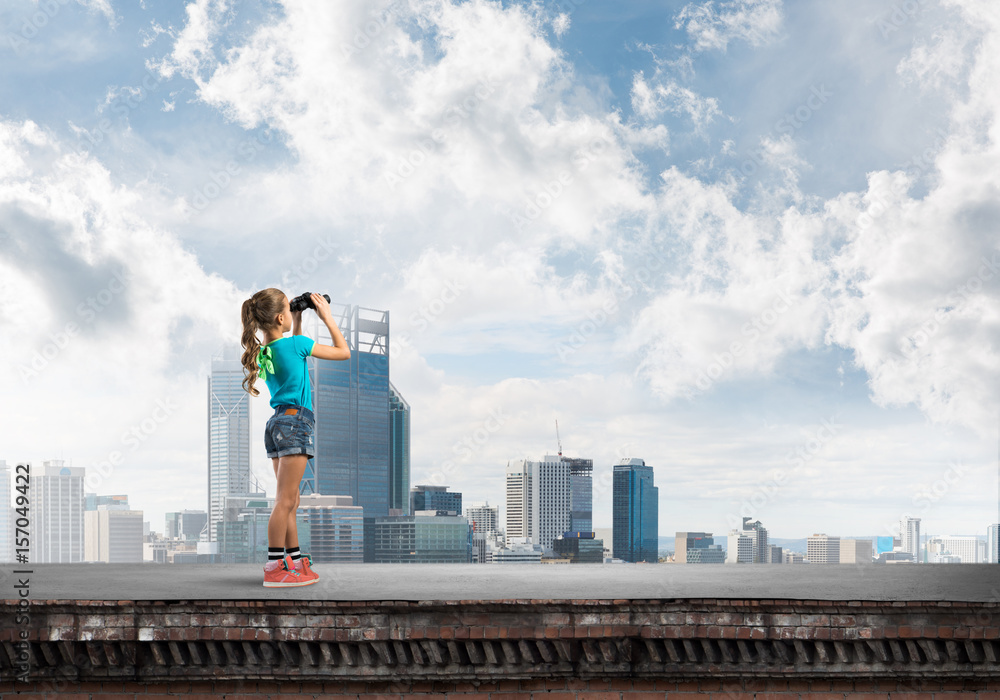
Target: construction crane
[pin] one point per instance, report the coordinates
(557, 437)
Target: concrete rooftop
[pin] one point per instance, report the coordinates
(430, 582)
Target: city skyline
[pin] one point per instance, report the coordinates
(748, 241)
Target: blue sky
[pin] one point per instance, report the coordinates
(692, 232)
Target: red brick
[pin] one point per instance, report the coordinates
(641, 695)
(598, 695)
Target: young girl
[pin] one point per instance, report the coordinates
(288, 437)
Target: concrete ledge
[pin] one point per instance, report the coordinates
(460, 582)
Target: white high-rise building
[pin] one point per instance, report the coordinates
(113, 535)
(992, 544)
(909, 536)
(822, 549)
(483, 517)
(229, 438)
(739, 548)
(56, 502)
(539, 496)
(7, 517)
(966, 549)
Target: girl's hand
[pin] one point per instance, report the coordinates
(322, 307)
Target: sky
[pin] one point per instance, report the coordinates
(754, 243)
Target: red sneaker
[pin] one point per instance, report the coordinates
(278, 574)
(304, 567)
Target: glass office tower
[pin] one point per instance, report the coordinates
(635, 514)
(229, 438)
(399, 451)
(351, 401)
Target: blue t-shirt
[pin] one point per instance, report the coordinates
(290, 382)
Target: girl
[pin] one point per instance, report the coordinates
(288, 437)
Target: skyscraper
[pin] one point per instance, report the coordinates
(581, 479)
(823, 549)
(758, 533)
(427, 497)
(635, 512)
(229, 438)
(399, 451)
(351, 400)
(909, 535)
(56, 502)
(993, 544)
(113, 535)
(538, 500)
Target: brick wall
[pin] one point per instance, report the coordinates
(524, 689)
(581, 648)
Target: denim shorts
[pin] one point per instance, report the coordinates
(291, 434)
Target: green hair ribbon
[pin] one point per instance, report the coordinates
(264, 362)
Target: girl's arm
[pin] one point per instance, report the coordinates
(339, 350)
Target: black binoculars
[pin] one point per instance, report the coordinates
(304, 301)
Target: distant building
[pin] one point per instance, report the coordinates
(792, 558)
(361, 421)
(697, 548)
(91, 501)
(229, 441)
(336, 528)
(909, 535)
(822, 549)
(112, 535)
(635, 512)
(484, 520)
(993, 544)
(739, 548)
(520, 550)
(856, 551)
(539, 499)
(185, 524)
(579, 548)
(436, 498)
(242, 534)
(56, 506)
(581, 501)
(758, 535)
(774, 555)
(399, 451)
(954, 550)
(422, 537)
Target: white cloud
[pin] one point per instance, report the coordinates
(714, 26)
(667, 95)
